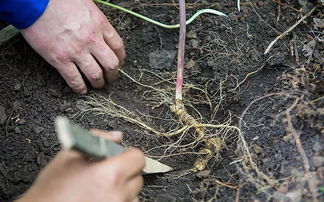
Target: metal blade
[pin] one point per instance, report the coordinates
(73, 136)
(153, 166)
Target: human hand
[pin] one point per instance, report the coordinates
(72, 178)
(75, 37)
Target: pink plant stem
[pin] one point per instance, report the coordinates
(181, 50)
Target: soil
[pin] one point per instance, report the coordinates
(220, 53)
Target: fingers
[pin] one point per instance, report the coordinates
(134, 186)
(73, 78)
(115, 136)
(91, 70)
(126, 165)
(136, 199)
(108, 60)
(114, 41)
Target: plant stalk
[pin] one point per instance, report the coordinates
(210, 11)
(181, 50)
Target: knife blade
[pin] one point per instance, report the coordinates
(75, 137)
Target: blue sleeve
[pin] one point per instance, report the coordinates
(21, 13)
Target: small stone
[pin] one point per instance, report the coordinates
(194, 43)
(21, 122)
(126, 24)
(39, 129)
(16, 106)
(39, 80)
(203, 174)
(64, 106)
(317, 147)
(55, 92)
(318, 161)
(190, 64)
(161, 59)
(257, 149)
(191, 35)
(211, 63)
(17, 87)
(3, 115)
(17, 130)
(45, 142)
(41, 159)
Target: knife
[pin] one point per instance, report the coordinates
(75, 137)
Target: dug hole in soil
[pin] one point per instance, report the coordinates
(275, 100)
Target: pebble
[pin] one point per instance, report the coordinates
(161, 59)
(21, 122)
(190, 64)
(45, 142)
(211, 63)
(17, 87)
(55, 92)
(17, 130)
(318, 161)
(191, 35)
(16, 106)
(41, 159)
(3, 115)
(203, 174)
(317, 147)
(39, 129)
(194, 43)
(126, 24)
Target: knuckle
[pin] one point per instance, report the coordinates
(96, 76)
(61, 57)
(139, 156)
(110, 35)
(119, 45)
(114, 63)
(77, 51)
(114, 176)
(91, 37)
(76, 84)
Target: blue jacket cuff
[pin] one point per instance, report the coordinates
(22, 13)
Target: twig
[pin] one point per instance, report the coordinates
(290, 129)
(251, 74)
(262, 18)
(245, 145)
(285, 5)
(278, 12)
(225, 185)
(9, 118)
(288, 30)
(294, 40)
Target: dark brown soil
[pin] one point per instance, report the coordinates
(224, 50)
